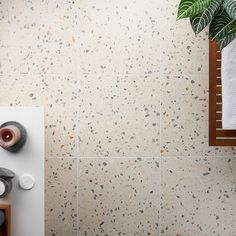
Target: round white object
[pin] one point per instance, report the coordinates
(26, 181)
(2, 188)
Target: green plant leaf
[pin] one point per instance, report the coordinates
(201, 21)
(226, 40)
(232, 29)
(226, 35)
(190, 8)
(230, 7)
(194, 21)
(220, 26)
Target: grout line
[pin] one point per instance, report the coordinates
(160, 197)
(198, 156)
(160, 148)
(150, 157)
(111, 157)
(77, 64)
(77, 194)
(61, 157)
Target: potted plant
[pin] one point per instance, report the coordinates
(220, 15)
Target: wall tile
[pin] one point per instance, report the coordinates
(184, 118)
(43, 37)
(119, 116)
(118, 38)
(61, 116)
(4, 11)
(181, 51)
(22, 90)
(37, 59)
(57, 94)
(124, 16)
(61, 197)
(28, 14)
(118, 196)
(4, 34)
(198, 196)
(108, 54)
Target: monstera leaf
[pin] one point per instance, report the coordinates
(202, 20)
(230, 7)
(189, 8)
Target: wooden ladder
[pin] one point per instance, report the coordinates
(217, 135)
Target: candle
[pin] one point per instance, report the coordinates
(9, 136)
(12, 136)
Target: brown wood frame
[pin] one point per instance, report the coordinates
(5, 230)
(217, 135)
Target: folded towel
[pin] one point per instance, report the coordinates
(229, 86)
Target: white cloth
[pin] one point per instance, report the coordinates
(229, 86)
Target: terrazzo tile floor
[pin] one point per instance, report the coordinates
(125, 92)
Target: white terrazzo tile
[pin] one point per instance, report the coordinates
(119, 116)
(61, 197)
(118, 196)
(198, 196)
(118, 37)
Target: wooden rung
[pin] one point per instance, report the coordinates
(225, 142)
(226, 133)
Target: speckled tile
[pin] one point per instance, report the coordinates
(43, 38)
(124, 16)
(118, 196)
(61, 197)
(198, 196)
(4, 34)
(118, 38)
(4, 10)
(22, 90)
(184, 118)
(28, 16)
(61, 116)
(37, 59)
(7, 63)
(106, 54)
(181, 51)
(118, 116)
(58, 95)
(25, 11)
